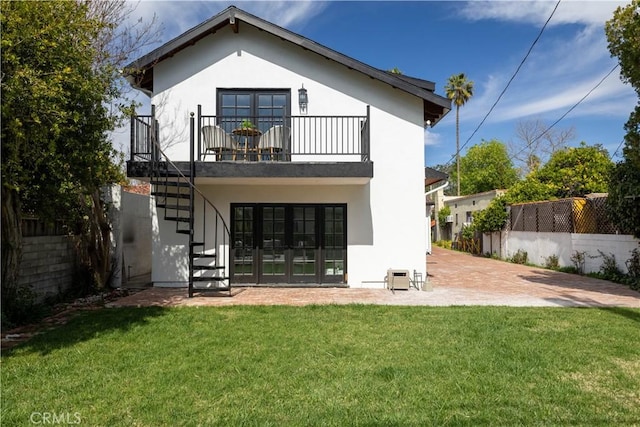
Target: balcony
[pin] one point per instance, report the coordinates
(262, 146)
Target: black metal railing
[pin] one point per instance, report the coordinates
(265, 138)
(283, 138)
(144, 135)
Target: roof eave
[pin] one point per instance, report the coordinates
(232, 16)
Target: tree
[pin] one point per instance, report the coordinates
(486, 167)
(493, 217)
(623, 35)
(623, 199)
(571, 172)
(459, 90)
(531, 189)
(536, 143)
(61, 94)
(577, 171)
(443, 213)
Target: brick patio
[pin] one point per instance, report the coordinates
(455, 278)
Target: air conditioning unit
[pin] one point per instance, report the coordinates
(398, 279)
(448, 218)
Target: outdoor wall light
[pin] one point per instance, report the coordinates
(303, 100)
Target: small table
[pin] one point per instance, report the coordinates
(248, 132)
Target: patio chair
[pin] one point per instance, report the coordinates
(273, 141)
(218, 141)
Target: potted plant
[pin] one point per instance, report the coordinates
(246, 124)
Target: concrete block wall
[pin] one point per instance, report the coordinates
(539, 246)
(48, 265)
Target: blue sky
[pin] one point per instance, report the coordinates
(485, 40)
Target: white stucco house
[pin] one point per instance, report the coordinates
(278, 161)
(463, 207)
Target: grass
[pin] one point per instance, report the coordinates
(331, 365)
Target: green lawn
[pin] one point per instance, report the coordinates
(331, 365)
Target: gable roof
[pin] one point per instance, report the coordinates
(140, 71)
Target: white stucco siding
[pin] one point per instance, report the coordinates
(249, 59)
(386, 217)
(369, 232)
(397, 188)
(170, 252)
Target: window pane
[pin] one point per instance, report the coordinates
(264, 100)
(228, 100)
(243, 100)
(280, 100)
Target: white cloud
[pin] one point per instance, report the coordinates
(431, 138)
(179, 16)
(563, 67)
(537, 12)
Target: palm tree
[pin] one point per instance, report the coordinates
(459, 90)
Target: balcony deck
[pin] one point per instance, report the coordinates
(261, 147)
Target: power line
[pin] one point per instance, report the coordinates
(616, 152)
(565, 114)
(509, 82)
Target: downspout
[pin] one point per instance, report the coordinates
(436, 189)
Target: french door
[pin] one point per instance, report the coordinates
(265, 108)
(289, 243)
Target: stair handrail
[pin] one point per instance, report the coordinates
(181, 177)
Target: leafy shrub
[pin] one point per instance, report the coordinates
(443, 213)
(21, 308)
(552, 262)
(633, 267)
(578, 261)
(491, 255)
(609, 267)
(468, 232)
(443, 244)
(520, 257)
(568, 269)
(493, 218)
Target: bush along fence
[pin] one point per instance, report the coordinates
(574, 215)
(574, 235)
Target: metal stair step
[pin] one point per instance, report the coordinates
(208, 267)
(209, 279)
(170, 195)
(196, 256)
(173, 207)
(177, 218)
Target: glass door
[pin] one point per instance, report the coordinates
(334, 244)
(243, 253)
(304, 251)
(273, 249)
(289, 243)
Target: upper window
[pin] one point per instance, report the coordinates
(263, 108)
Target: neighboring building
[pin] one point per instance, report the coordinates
(463, 207)
(299, 165)
(435, 182)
